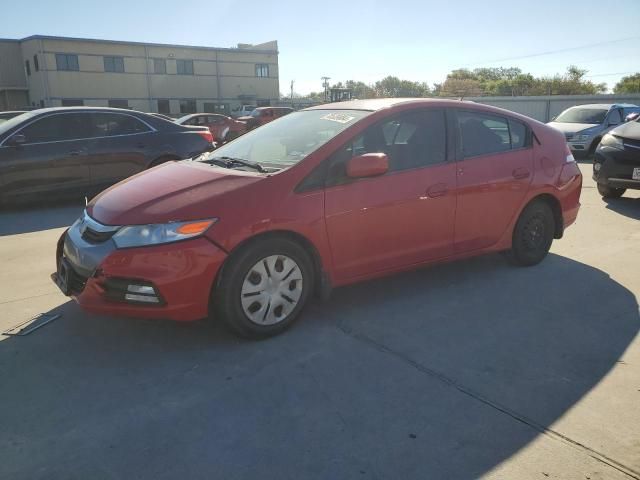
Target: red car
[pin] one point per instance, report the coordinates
(223, 128)
(262, 115)
(320, 198)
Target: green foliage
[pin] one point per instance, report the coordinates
(513, 82)
(500, 81)
(629, 84)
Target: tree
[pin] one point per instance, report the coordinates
(629, 84)
(394, 87)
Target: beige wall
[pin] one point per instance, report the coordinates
(220, 76)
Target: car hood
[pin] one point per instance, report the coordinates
(571, 128)
(630, 130)
(173, 191)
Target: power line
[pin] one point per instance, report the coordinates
(561, 50)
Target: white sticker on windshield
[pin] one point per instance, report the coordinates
(338, 117)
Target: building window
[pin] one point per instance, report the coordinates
(72, 102)
(163, 106)
(211, 107)
(36, 65)
(185, 67)
(188, 106)
(27, 67)
(113, 103)
(262, 70)
(159, 65)
(67, 62)
(114, 64)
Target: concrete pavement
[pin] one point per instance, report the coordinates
(467, 370)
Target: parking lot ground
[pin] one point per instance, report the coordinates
(466, 370)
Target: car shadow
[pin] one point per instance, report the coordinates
(39, 216)
(629, 207)
(440, 373)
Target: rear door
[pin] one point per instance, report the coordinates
(120, 147)
(54, 157)
(494, 171)
(403, 217)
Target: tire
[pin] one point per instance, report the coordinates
(264, 287)
(532, 235)
(609, 192)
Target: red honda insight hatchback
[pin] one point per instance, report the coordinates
(320, 198)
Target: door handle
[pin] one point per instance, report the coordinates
(75, 153)
(437, 190)
(520, 173)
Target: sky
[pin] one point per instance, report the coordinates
(365, 40)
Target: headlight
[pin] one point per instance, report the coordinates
(612, 141)
(580, 137)
(142, 235)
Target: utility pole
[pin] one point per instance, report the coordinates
(325, 84)
(292, 81)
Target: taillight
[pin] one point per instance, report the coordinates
(206, 135)
(568, 155)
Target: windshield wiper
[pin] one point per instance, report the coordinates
(231, 161)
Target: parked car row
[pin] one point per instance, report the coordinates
(54, 152)
(611, 133)
(323, 197)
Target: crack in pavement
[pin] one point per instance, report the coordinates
(600, 457)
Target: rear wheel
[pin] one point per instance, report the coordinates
(533, 234)
(609, 192)
(264, 287)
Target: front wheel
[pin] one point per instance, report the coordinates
(533, 234)
(610, 192)
(264, 287)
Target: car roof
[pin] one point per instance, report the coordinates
(85, 109)
(605, 105)
(374, 104)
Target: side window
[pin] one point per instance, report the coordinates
(481, 134)
(110, 124)
(520, 137)
(412, 140)
(55, 128)
(614, 117)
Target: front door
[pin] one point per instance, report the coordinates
(403, 217)
(53, 158)
(494, 171)
(119, 148)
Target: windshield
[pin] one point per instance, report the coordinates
(6, 125)
(582, 115)
(256, 113)
(286, 141)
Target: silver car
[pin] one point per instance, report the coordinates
(584, 125)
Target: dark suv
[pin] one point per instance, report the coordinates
(616, 164)
(83, 150)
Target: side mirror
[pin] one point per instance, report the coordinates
(368, 165)
(17, 140)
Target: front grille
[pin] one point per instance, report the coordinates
(92, 236)
(76, 281)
